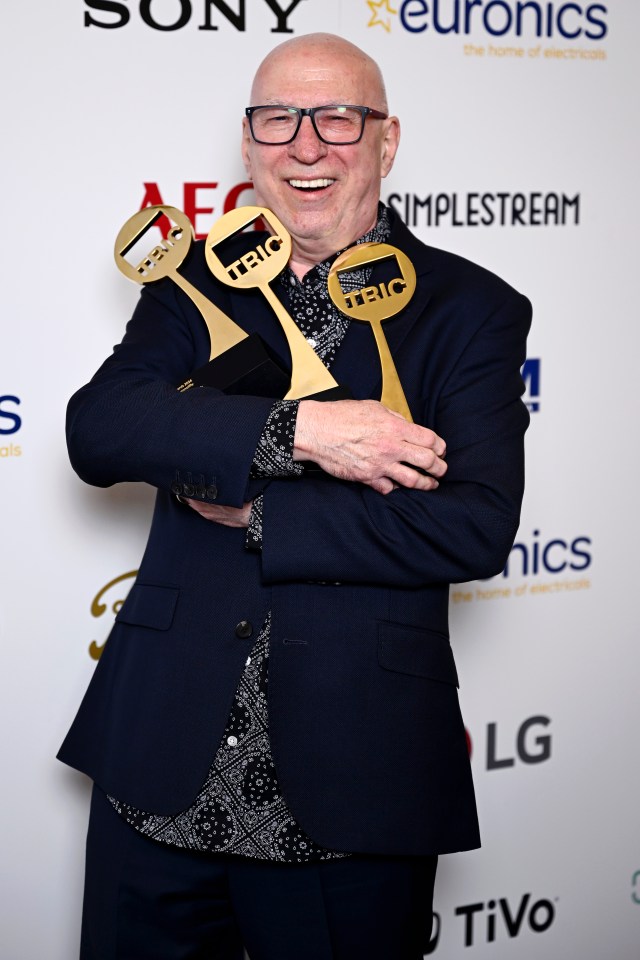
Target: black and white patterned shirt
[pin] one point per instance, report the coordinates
(240, 808)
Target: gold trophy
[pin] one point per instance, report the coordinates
(255, 269)
(375, 303)
(238, 362)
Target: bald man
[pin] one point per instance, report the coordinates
(273, 730)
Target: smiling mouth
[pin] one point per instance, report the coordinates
(319, 184)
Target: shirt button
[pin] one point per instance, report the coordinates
(244, 629)
(232, 741)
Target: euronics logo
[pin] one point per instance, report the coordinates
(10, 423)
(497, 18)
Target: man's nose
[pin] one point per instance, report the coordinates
(307, 146)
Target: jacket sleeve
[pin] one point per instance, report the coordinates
(321, 529)
(131, 423)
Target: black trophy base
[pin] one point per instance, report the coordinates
(333, 393)
(248, 368)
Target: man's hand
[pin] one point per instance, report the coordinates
(362, 440)
(227, 516)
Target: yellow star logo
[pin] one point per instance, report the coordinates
(376, 10)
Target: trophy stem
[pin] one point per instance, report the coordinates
(392, 393)
(223, 332)
(309, 374)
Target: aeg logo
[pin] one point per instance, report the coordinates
(196, 202)
(118, 14)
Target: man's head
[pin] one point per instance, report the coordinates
(311, 71)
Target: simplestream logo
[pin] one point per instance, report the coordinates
(498, 208)
(524, 19)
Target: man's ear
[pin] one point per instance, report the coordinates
(245, 145)
(390, 142)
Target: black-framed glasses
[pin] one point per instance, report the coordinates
(336, 124)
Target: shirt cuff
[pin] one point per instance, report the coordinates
(253, 540)
(274, 452)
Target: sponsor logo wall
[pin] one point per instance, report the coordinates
(518, 151)
(10, 424)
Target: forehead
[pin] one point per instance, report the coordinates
(311, 79)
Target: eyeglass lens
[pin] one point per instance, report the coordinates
(333, 124)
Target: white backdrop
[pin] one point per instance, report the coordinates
(516, 107)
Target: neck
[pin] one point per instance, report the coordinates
(307, 254)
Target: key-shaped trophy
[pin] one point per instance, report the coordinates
(255, 269)
(376, 303)
(238, 362)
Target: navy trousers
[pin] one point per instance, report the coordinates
(148, 901)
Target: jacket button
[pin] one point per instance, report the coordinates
(244, 629)
(176, 487)
(188, 490)
(212, 491)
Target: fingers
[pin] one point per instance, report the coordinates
(404, 476)
(424, 459)
(218, 513)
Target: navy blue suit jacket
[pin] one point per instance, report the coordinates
(365, 726)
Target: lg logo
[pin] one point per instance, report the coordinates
(530, 745)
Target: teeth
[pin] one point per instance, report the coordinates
(310, 184)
